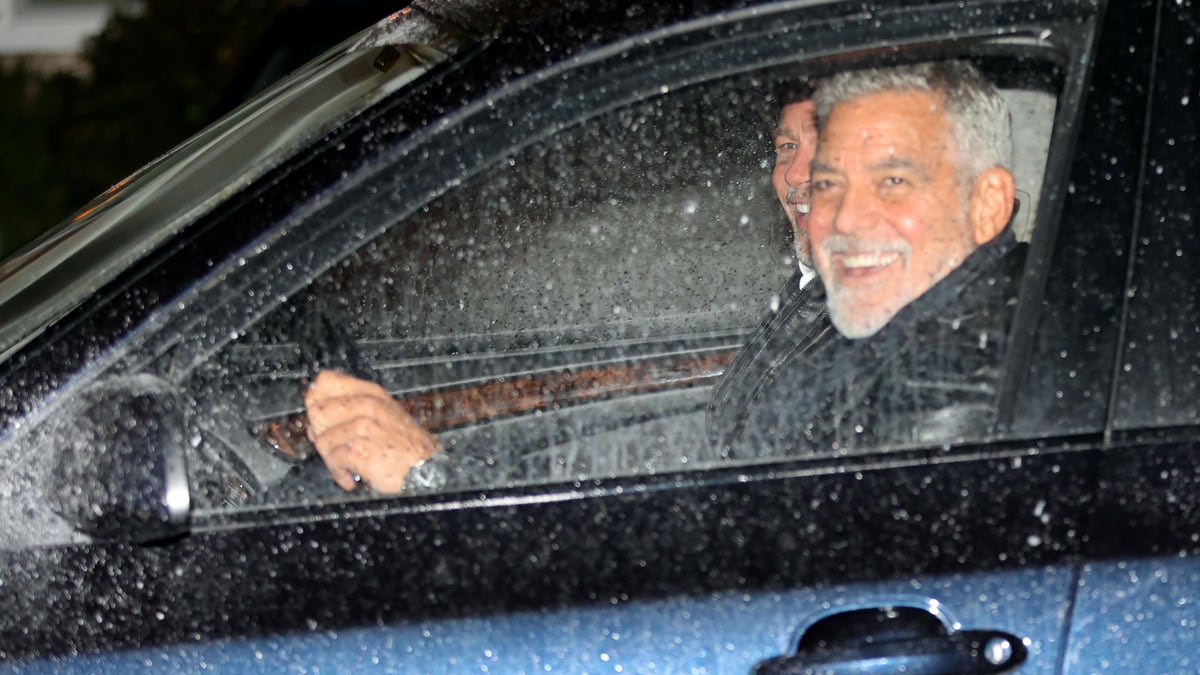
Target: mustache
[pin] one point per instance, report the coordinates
(798, 198)
(844, 243)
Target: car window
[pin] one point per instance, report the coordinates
(577, 295)
(563, 314)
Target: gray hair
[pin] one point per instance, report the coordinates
(978, 116)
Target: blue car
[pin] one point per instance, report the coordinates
(548, 231)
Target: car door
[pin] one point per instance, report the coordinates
(1136, 608)
(570, 209)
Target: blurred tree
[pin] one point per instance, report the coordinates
(156, 78)
(31, 198)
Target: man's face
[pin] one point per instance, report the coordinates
(795, 144)
(888, 217)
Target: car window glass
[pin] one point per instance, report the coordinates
(619, 259)
(563, 314)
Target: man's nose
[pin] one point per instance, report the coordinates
(855, 211)
(797, 173)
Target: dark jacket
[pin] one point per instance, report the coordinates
(788, 333)
(932, 374)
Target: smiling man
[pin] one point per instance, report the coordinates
(911, 198)
(795, 141)
(909, 180)
(800, 316)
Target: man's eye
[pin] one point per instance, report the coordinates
(821, 185)
(894, 180)
(785, 147)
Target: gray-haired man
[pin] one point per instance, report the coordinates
(911, 199)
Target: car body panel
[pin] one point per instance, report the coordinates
(1044, 533)
(1135, 616)
(722, 633)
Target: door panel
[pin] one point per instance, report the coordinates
(1136, 616)
(721, 633)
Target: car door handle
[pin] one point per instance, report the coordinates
(906, 640)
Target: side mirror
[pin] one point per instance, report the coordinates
(121, 471)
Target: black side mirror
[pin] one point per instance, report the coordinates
(121, 471)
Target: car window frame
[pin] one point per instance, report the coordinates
(644, 70)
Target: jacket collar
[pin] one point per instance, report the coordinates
(944, 300)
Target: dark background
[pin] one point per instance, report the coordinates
(156, 78)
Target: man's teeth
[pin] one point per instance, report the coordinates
(876, 259)
(803, 208)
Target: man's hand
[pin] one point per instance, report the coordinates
(362, 433)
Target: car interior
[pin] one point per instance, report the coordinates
(562, 315)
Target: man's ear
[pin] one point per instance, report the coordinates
(991, 203)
